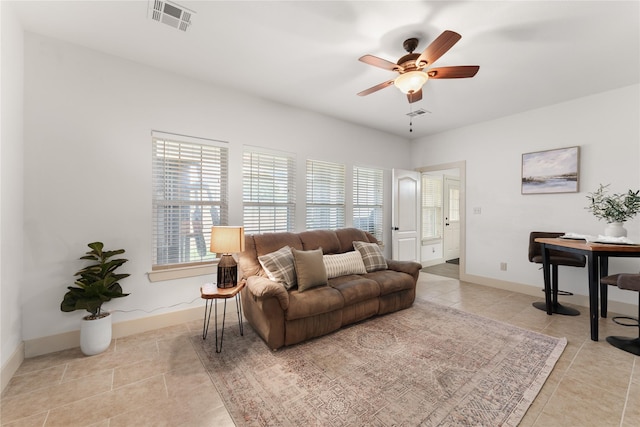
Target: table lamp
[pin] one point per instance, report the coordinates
(225, 240)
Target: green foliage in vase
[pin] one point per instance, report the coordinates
(615, 207)
(97, 282)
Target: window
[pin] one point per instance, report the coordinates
(325, 195)
(431, 207)
(367, 200)
(454, 204)
(268, 189)
(189, 196)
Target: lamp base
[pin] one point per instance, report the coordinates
(227, 272)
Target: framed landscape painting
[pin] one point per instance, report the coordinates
(551, 171)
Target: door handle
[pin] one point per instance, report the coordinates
(446, 222)
(395, 228)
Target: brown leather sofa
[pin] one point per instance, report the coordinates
(284, 317)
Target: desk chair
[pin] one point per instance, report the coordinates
(556, 258)
(629, 282)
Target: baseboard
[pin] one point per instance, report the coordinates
(536, 291)
(67, 340)
(12, 365)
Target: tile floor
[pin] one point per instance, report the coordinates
(156, 379)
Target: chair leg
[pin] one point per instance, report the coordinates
(556, 307)
(630, 345)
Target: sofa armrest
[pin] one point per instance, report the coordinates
(262, 288)
(410, 267)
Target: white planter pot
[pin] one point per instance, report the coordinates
(615, 229)
(95, 335)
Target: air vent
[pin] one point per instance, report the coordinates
(170, 13)
(419, 112)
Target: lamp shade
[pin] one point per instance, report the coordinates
(227, 240)
(411, 81)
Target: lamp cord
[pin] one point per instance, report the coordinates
(155, 309)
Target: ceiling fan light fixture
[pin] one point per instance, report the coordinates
(411, 81)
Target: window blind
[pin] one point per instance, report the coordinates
(189, 183)
(325, 195)
(367, 200)
(431, 207)
(268, 191)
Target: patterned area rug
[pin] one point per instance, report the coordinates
(428, 365)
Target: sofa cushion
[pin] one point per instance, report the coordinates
(342, 264)
(355, 288)
(279, 266)
(262, 244)
(391, 281)
(312, 302)
(269, 242)
(310, 271)
(371, 255)
(325, 239)
(347, 236)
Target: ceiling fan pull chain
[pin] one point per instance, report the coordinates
(410, 118)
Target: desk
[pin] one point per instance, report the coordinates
(598, 266)
(210, 294)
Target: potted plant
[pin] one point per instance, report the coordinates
(615, 209)
(97, 284)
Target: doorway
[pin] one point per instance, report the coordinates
(452, 246)
(451, 228)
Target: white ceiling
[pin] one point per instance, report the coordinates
(305, 53)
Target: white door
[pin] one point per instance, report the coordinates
(405, 216)
(451, 245)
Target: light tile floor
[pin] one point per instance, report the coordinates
(156, 379)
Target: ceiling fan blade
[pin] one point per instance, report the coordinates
(414, 97)
(438, 47)
(457, 72)
(379, 62)
(375, 88)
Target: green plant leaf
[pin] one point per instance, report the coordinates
(96, 283)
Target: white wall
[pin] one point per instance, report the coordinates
(11, 183)
(88, 118)
(606, 126)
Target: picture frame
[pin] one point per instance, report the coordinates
(551, 171)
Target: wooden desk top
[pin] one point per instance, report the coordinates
(213, 292)
(588, 246)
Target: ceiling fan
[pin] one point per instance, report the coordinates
(413, 66)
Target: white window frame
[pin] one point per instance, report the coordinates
(189, 195)
(368, 197)
(268, 190)
(325, 195)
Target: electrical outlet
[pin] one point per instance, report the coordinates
(477, 211)
(503, 266)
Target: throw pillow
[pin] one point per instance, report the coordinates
(279, 266)
(342, 264)
(310, 271)
(371, 255)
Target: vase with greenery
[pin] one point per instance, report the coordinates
(614, 208)
(96, 284)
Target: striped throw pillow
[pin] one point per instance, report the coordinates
(279, 267)
(371, 255)
(342, 264)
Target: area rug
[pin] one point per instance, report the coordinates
(428, 365)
